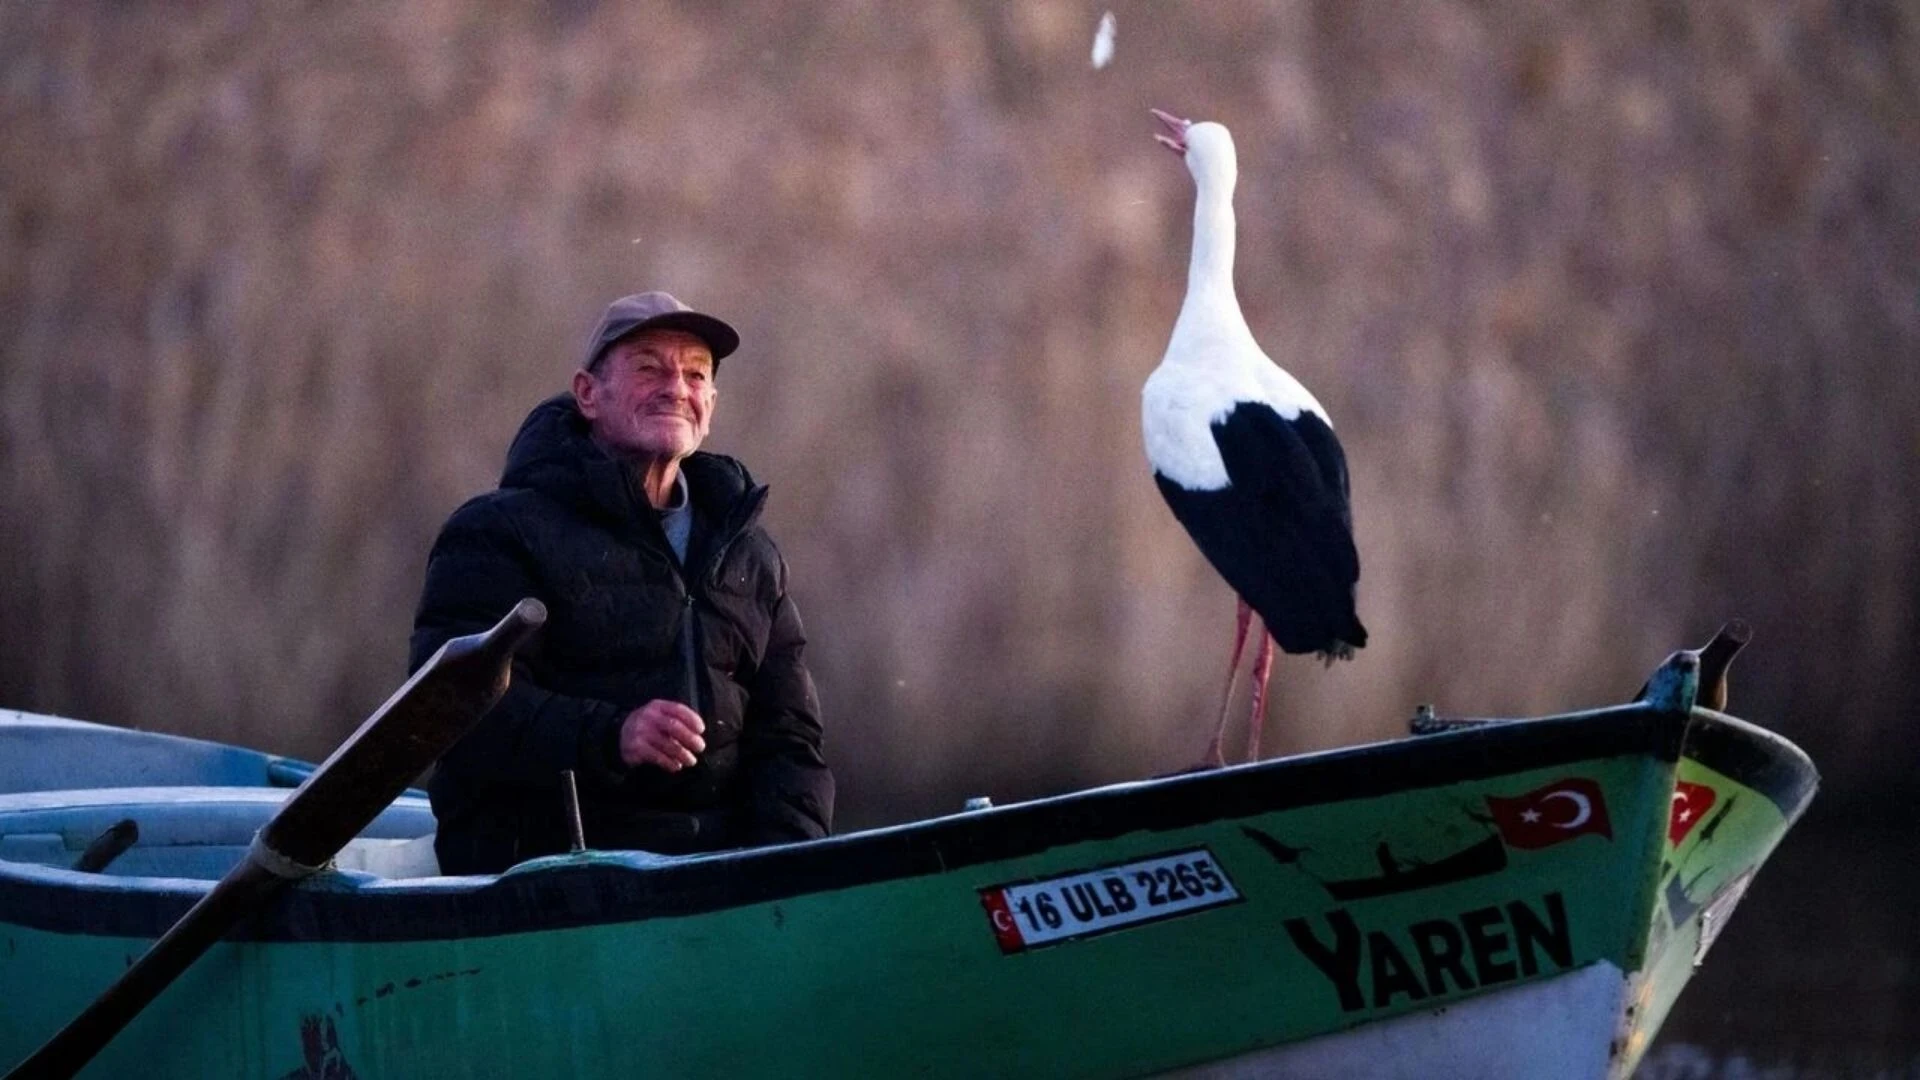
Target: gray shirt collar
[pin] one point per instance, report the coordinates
(676, 518)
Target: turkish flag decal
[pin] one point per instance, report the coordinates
(1005, 930)
(1560, 811)
(1690, 803)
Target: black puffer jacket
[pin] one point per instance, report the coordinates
(566, 527)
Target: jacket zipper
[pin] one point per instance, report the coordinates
(689, 654)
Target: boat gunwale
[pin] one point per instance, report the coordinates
(594, 888)
(1755, 757)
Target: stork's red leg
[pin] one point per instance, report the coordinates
(1216, 756)
(1262, 670)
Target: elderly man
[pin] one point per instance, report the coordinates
(670, 676)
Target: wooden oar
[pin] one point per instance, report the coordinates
(108, 846)
(425, 716)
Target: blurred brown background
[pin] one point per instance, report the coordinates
(1616, 306)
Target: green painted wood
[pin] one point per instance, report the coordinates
(1700, 881)
(907, 976)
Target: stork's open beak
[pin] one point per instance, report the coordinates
(1177, 141)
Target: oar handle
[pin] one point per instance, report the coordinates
(108, 846)
(419, 722)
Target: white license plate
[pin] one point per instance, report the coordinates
(1033, 913)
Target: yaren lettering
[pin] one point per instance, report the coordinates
(1433, 957)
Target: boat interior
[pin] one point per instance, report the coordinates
(66, 784)
(195, 833)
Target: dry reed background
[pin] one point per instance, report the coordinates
(1617, 311)
(1616, 306)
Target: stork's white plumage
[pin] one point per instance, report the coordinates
(1244, 454)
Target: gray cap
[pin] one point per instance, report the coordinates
(657, 311)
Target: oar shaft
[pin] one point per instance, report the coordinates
(243, 889)
(417, 724)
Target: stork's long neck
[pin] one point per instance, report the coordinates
(1211, 305)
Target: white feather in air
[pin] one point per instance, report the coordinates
(1103, 42)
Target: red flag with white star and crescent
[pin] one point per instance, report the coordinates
(1690, 803)
(1545, 816)
(1005, 930)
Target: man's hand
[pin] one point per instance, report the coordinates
(663, 733)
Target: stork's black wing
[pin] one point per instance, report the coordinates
(1281, 531)
(1298, 470)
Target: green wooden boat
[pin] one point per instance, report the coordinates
(1503, 899)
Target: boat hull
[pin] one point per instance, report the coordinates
(1558, 1026)
(1373, 907)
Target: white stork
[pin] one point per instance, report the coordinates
(1244, 455)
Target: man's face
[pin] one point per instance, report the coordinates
(650, 396)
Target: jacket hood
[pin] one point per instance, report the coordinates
(553, 436)
(553, 454)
